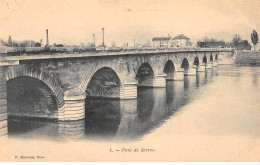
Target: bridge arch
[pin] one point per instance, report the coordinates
(145, 75)
(211, 58)
(185, 63)
(185, 66)
(169, 69)
(205, 59)
(13, 72)
(216, 57)
(104, 82)
(196, 61)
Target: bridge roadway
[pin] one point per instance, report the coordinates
(74, 77)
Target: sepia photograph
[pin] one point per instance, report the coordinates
(129, 81)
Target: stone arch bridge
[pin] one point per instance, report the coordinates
(72, 78)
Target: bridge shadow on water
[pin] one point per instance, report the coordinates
(118, 119)
(132, 119)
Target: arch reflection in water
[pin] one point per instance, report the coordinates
(32, 127)
(208, 75)
(174, 89)
(102, 117)
(215, 71)
(161, 108)
(255, 75)
(174, 95)
(189, 82)
(145, 102)
(200, 79)
(128, 128)
(30, 106)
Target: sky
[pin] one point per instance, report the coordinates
(74, 21)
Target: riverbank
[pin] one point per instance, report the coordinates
(247, 58)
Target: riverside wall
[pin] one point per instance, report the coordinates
(247, 58)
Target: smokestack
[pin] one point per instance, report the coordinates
(94, 44)
(47, 38)
(103, 38)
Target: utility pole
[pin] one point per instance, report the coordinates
(103, 38)
(94, 44)
(134, 42)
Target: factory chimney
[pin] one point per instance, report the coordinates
(47, 38)
(94, 44)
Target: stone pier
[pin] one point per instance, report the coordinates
(129, 91)
(74, 107)
(215, 63)
(159, 80)
(201, 68)
(72, 129)
(154, 81)
(191, 71)
(179, 76)
(209, 65)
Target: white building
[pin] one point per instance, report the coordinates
(162, 41)
(180, 41)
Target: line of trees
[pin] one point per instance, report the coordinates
(210, 40)
(238, 43)
(24, 43)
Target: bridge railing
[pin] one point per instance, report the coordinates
(15, 51)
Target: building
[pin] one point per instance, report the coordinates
(180, 41)
(162, 41)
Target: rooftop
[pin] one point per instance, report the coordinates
(161, 38)
(181, 36)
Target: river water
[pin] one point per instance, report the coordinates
(222, 101)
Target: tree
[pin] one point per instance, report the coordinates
(244, 45)
(25, 43)
(15, 44)
(59, 45)
(113, 44)
(254, 38)
(37, 44)
(236, 40)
